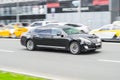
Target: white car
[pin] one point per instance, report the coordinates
(116, 23)
(107, 32)
(80, 27)
(38, 24)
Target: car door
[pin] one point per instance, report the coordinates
(42, 37)
(105, 33)
(116, 30)
(59, 40)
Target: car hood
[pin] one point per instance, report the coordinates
(86, 36)
(93, 31)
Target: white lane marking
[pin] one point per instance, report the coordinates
(113, 61)
(2, 50)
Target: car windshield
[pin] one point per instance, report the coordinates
(71, 31)
(74, 25)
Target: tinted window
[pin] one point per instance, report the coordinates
(71, 31)
(55, 32)
(36, 24)
(42, 31)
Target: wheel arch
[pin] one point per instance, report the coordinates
(27, 41)
(78, 41)
(78, 44)
(34, 45)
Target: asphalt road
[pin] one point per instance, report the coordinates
(104, 64)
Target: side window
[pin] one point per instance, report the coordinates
(36, 24)
(43, 31)
(104, 29)
(116, 28)
(56, 32)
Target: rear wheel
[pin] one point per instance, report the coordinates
(114, 37)
(30, 45)
(74, 48)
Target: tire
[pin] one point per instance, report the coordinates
(30, 45)
(74, 48)
(114, 37)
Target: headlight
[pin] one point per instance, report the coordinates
(86, 41)
(98, 40)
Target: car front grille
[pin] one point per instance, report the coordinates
(94, 40)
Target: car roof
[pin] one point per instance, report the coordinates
(45, 21)
(52, 27)
(58, 23)
(67, 23)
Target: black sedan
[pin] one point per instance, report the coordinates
(60, 37)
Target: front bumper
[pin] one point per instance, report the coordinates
(93, 46)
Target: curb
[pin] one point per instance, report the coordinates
(49, 77)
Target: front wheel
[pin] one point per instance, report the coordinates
(30, 45)
(74, 48)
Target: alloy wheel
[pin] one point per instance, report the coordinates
(74, 48)
(30, 45)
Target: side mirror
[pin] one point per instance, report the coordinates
(60, 35)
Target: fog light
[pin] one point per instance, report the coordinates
(86, 47)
